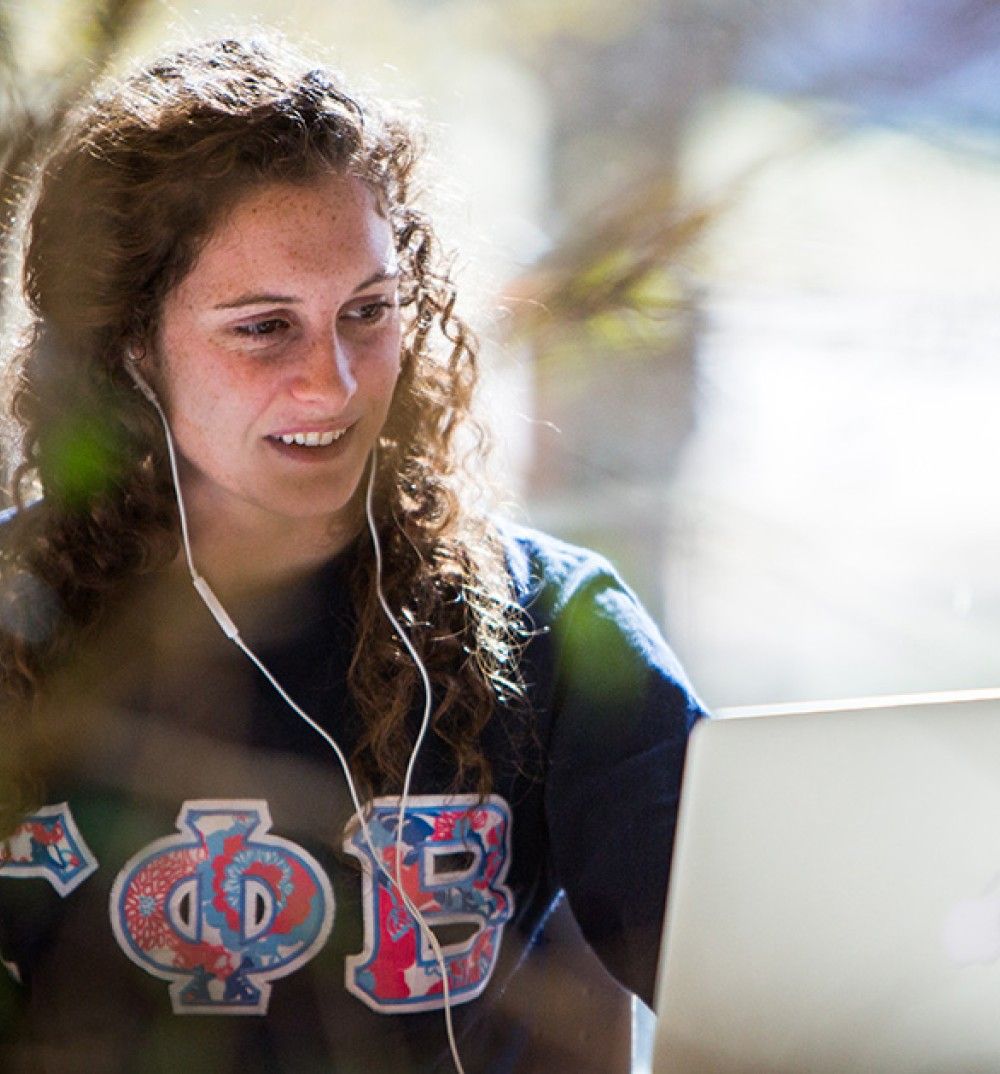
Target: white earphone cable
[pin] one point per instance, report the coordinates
(231, 631)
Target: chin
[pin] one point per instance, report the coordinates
(311, 507)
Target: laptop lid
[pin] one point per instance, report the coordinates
(835, 895)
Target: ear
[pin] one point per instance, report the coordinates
(132, 360)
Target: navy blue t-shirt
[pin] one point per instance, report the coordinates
(198, 896)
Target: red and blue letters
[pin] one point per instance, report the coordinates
(49, 845)
(223, 907)
(455, 854)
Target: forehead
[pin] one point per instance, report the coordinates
(328, 229)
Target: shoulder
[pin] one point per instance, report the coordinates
(11, 519)
(17, 525)
(12, 516)
(29, 607)
(579, 598)
(549, 570)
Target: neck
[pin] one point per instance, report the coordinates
(241, 553)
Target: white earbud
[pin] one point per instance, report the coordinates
(132, 368)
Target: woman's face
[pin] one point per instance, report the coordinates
(278, 354)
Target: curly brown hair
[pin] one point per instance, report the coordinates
(121, 208)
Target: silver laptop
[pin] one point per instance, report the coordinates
(835, 894)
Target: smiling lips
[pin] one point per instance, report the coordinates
(310, 439)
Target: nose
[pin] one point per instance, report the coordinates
(324, 375)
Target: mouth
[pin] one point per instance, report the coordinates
(302, 444)
(310, 439)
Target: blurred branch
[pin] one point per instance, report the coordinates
(622, 266)
(621, 259)
(34, 105)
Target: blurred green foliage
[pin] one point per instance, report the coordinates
(84, 457)
(609, 681)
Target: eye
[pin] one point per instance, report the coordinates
(370, 312)
(268, 326)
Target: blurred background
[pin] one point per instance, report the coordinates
(737, 262)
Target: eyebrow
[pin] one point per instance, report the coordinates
(259, 298)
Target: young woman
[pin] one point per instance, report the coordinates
(289, 729)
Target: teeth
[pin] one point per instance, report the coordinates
(311, 439)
